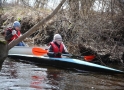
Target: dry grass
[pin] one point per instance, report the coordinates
(26, 14)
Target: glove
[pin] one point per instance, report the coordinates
(13, 32)
(58, 54)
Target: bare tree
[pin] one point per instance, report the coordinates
(0, 3)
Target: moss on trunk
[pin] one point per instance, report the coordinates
(3, 50)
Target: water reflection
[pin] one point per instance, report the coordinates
(17, 75)
(27, 76)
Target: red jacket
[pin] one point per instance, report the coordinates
(14, 36)
(56, 49)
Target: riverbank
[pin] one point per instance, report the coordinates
(79, 40)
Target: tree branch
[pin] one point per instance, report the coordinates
(35, 27)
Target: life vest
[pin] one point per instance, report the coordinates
(14, 36)
(56, 49)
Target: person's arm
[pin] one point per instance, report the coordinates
(65, 51)
(50, 52)
(8, 35)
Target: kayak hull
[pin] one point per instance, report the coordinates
(66, 63)
(21, 50)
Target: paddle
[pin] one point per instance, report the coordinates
(86, 58)
(39, 52)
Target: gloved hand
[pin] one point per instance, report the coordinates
(58, 54)
(13, 32)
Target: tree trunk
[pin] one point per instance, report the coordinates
(86, 6)
(3, 50)
(121, 4)
(1, 8)
(74, 6)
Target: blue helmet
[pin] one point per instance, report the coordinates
(16, 24)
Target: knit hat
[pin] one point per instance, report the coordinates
(57, 37)
(16, 24)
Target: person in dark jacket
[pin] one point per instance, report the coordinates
(13, 33)
(57, 47)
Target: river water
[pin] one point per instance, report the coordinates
(20, 75)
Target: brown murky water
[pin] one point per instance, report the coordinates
(28, 76)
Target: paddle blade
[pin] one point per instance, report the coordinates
(39, 51)
(89, 58)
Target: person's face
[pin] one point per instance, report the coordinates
(17, 28)
(59, 41)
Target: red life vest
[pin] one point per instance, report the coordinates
(56, 49)
(14, 36)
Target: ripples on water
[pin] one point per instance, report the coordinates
(28, 76)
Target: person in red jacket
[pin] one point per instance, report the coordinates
(13, 33)
(57, 47)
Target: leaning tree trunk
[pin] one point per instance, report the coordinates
(35, 27)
